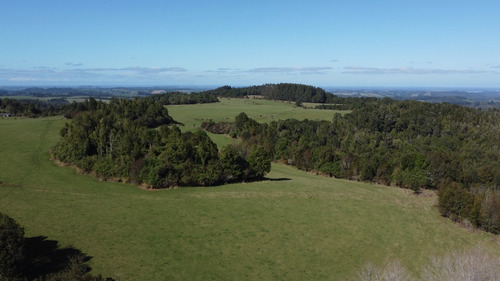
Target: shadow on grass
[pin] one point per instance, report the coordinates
(278, 179)
(44, 257)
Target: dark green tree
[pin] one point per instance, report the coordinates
(11, 247)
(233, 163)
(260, 162)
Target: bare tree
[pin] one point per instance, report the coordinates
(393, 271)
(370, 273)
(476, 264)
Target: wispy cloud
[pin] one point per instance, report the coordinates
(134, 69)
(89, 75)
(224, 70)
(152, 70)
(74, 64)
(408, 70)
(301, 70)
(271, 70)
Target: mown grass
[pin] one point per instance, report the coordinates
(294, 226)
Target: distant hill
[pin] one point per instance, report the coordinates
(488, 98)
(478, 98)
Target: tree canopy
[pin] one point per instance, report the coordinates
(131, 140)
(282, 91)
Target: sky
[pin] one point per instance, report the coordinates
(351, 43)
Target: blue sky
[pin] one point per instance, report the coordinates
(382, 43)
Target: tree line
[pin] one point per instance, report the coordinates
(411, 144)
(282, 91)
(137, 141)
(297, 93)
(34, 108)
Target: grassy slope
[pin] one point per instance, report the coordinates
(226, 110)
(260, 110)
(296, 226)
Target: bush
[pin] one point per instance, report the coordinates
(11, 247)
(455, 202)
(260, 162)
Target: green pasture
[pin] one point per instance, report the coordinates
(260, 110)
(293, 226)
(191, 116)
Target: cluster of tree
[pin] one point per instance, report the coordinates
(282, 91)
(340, 103)
(174, 98)
(407, 143)
(23, 259)
(33, 108)
(131, 140)
(297, 93)
(60, 106)
(230, 92)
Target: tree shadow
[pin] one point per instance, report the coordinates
(278, 179)
(44, 257)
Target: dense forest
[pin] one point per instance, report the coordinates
(411, 144)
(131, 140)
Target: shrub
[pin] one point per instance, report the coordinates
(11, 247)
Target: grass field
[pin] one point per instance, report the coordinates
(294, 226)
(260, 110)
(191, 116)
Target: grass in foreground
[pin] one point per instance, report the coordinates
(295, 226)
